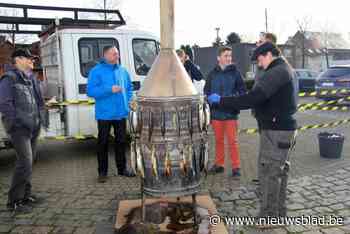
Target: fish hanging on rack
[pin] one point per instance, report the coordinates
(163, 122)
(139, 123)
(191, 159)
(195, 166)
(178, 120)
(189, 122)
(201, 156)
(132, 130)
(150, 125)
(200, 117)
(206, 157)
(183, 163)
(206, 116)
(139, 159)
(133, 156)
(167, 163)
(154, 161)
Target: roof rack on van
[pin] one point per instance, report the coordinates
(49, 23)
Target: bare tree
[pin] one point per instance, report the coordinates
(304, 24)
(106, 5)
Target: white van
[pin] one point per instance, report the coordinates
(68, 55)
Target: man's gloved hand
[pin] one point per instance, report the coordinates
(214, 98)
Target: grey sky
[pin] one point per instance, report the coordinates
(196, 19)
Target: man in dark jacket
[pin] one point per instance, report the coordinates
(227, 81)
(21, 105)
(192, 69)
(274, 102)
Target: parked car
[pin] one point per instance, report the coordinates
(307, 79)
(334, 78)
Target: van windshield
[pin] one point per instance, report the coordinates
(145, 52)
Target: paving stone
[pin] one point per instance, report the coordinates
(345, 229)
(332, 231)
(5, 228)
(22, 230)
(42, 230)
(311, 204)
(337, 207)
(295, 228)
(248, 196)
(341, 188)
(313, 232)
(344, 213)
(296, 206)
(84, 231)
(323, 210)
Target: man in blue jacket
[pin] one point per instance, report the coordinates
(226, 80)
(110, 85)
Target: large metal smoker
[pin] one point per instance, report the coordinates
(169, 150)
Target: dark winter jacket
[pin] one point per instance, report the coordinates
(273, 98)
(21, 102)
(226, 83)
(193, 71)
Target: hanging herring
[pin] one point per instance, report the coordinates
(163, 122)
(183, 163)
(150, 125)
(167, 163)
(206, 116)
(139, 159)
(154, 161)
(200, 118)
(133, 156)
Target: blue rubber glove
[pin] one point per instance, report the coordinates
(214, 98)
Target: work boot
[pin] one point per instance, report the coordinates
(216, 169)
(33, 200)
(19, 207)
(102, 179)
(236, 172)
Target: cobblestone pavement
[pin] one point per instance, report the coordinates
(66, 176)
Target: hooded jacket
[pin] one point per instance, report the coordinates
(109, 105)
(226, 83)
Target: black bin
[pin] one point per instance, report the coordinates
(331, 144)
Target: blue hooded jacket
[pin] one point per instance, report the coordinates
(109, 105)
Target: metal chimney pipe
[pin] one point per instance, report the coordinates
(167, 24)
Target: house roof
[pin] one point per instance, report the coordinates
(319, 40)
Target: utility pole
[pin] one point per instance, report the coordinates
(266, 24)
(104, 7)
(217, 33)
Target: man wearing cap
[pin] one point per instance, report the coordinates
(274, 102)
(21, 105)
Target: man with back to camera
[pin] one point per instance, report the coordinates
(192, 69)
(111, 87)
(275, 105)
